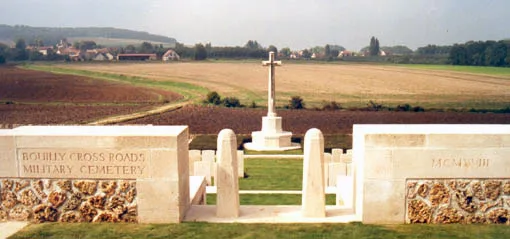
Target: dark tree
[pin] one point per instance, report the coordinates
(373, 47)
(146, 47)
(327, 51)
(130, 49)
(285, 51)
(306, 54)
(296, 102)
(21, 44)
(200, 52)
(273, 49)
(252, 45)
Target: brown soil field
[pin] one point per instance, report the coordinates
(61, 114)
(210, 120)
(350, 84)
(23, 85)
(34, 97)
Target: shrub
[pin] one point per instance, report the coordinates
(253, 105)
(231, 102)
(296, 102)
(213, 98)
(405, 107)
(418, 109)
(372, 105)
(333, 105)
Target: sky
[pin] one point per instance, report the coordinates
(297, 24)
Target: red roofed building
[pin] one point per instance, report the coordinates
(137, 57)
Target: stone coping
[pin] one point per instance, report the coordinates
(269, 214)
(83, 130)
(431, 128)
(9, 228)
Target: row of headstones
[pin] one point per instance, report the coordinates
(336, 163)
(203, 163)
(314, 183)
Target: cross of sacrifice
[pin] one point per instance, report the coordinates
(271, 84)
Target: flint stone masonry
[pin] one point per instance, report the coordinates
(389, 158)
(458, 201)
(50, 200)
(155, 158)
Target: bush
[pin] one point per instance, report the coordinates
(2, 59)
(333, 105)
(253, 105)
(418, 109)
(405, 107)
(374, 106)
(231, 102)
(296, 102)
(213, 98)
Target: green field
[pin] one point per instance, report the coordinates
(485, 70)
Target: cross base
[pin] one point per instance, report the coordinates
(271, 137)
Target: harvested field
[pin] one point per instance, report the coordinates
(210, 120)
(349, 84)
(41, 87)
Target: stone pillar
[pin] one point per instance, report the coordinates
(314, 190)
(227, 182)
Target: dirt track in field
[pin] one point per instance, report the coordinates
(317, 82)
(210, 120)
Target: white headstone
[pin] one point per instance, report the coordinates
(203, 168)
(240, 163)
(194, 156)
(314, 190)
(336, 155)
(345, 191)
(327, 161)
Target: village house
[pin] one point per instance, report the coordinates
(171, 55)
(345, 53)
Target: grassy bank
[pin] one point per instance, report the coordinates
(485, 70)
(266, 231)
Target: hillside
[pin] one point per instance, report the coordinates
(52, 35)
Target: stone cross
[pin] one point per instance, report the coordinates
(271, 84)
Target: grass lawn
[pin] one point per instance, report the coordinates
(270, 199)
(271, 174)
(266, 231)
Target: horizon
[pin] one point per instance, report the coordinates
(296, 24)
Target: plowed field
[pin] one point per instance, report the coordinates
(35, 86)
(34, 97)
(210, 120)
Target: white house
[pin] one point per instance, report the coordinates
(171, 55)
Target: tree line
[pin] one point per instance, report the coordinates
(480, 53)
